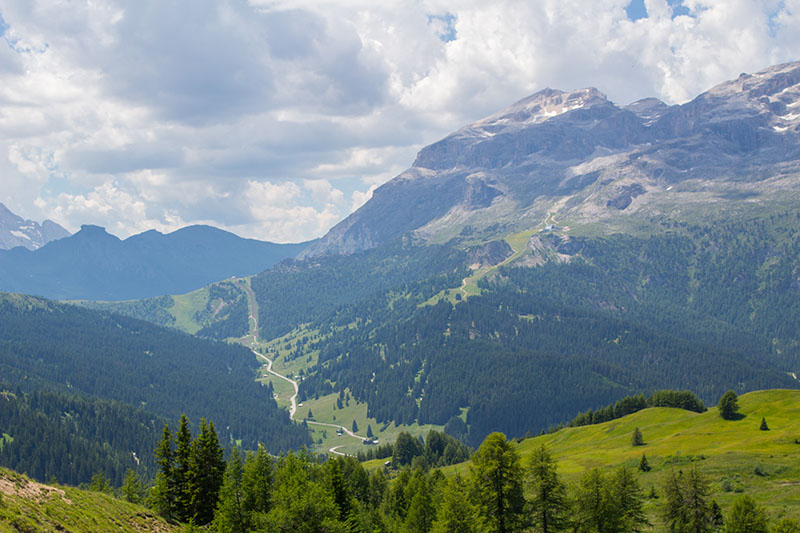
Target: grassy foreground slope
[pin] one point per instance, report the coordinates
(735, 456)
(29, 506)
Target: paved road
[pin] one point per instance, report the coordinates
(293, 399)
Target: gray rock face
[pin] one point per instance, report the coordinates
(16, 231)
(581, 159)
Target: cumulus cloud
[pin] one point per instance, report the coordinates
(276, 118)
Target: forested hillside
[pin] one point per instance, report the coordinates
(49, 346)
(56, 435)
(697, 307)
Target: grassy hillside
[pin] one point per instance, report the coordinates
(735, 456)
(29, 506)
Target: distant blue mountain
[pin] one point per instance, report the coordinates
(94, 265)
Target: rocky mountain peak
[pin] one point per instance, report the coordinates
(577, 157)
(542, 106)
(16, 231)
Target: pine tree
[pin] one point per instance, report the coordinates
(644, 466)
(637, 439)
(764, 426)
(548, 503)
(497, 477)
(369, 431)
(355, 427)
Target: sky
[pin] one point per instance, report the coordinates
(276, 119)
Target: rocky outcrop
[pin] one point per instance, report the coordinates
(577, 155)
(16, 231)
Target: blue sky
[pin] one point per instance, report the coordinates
(275, 119)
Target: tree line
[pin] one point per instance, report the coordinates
(499, 493)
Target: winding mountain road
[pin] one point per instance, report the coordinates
(251, 301)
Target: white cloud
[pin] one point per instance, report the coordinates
(275, 118)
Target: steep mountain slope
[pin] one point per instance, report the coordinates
(95, 265)
(16, 231)
(30, 506)
(578, 159)
(50, 346)
(608, 250)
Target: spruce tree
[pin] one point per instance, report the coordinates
(637, 439)
(181, 470)
(163, 494)
(369, 431)
(764, 426)
(548, 504)
(207, 470)
(132, 489)
(644, 466)
(355, 427)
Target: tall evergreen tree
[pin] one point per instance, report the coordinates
(644, 466)
(181, 471)
(548, 503)
(257, 480)
(132, 489)
(697, 502)
(232, 515)
(497, 476)
(207, 470)
(162, 495)
(421, 513)
(338, 488)
(629, 500)
(596, 509)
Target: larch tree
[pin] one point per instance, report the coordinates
(498, 477)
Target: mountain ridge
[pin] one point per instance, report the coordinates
(16, 231)
(95, 265)
(582, 159)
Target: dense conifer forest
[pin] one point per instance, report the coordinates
(624, 315)
(46, 346)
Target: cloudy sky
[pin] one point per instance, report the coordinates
(275, 119)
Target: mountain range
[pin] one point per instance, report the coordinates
(95, 265)
(553, 257)
(578, 160)
(16, 231)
